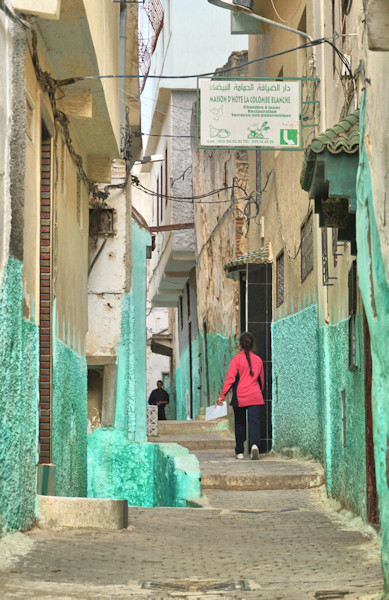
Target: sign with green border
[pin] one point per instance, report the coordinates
(258, 113)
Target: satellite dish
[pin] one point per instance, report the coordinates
(244, 5)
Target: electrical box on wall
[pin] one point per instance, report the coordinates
(101, 221)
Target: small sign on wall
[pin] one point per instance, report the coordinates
(249, 113)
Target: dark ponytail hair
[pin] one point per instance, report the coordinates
(246, 343)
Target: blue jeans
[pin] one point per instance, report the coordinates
(254, 414)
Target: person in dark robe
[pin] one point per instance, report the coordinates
(159, 397)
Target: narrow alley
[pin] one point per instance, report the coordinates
(194, 299)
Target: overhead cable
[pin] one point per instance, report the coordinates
(188, 199)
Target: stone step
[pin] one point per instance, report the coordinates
(221, 471)
(243, 483)
(197, 426)
(198, 441)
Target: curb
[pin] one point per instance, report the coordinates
(55, 512)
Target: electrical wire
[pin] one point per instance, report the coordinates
(182, 176)
(278, 14)
(191, 199)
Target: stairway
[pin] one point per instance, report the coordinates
(196, 435)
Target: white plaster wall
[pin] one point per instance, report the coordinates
(5, 78)
(108, 279)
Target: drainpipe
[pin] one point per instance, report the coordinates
(122, 65)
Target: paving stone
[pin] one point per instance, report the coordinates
(246, 545)
(275, 553)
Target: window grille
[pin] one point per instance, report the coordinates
(324, 258)
(280, 280)
(154, 11)
(307, 247)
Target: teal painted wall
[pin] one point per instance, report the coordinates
(375, 293)
(297, 398)
(120, 469)
(181, 382)
(220, 351)
(19, 374)
(178, 475)
(121, 464)
(345, 464)
(69, 420)
(144, 474)
(310, 370)
(131, 400)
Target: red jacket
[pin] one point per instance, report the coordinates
(246, 388)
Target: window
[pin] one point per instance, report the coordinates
(324, 258)
(352, 311)
(307, 247)
(335, 246)
(280, 279)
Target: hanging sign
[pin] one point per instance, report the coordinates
(249, 113)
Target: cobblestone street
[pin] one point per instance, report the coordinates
(270, 544)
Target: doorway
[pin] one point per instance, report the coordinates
(256, 317)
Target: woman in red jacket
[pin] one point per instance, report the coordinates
(246, 378)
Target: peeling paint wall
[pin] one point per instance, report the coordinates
(375, 293)
(19, 404)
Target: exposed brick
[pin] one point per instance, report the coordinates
(44, 420)
(44, 461)
(45, 174)
(45, 351)
(45, 256)
(45, 161)
(45, 405)
(45, 447)
(45, 338)
(44, 433)
(44, 392)
(45, 242)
